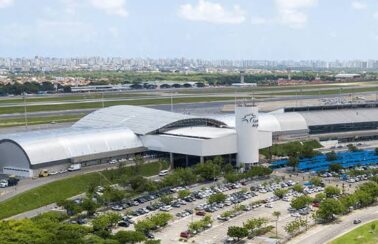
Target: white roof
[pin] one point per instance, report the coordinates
(342, 116)
(140, 120)
(201, 132)
(53, 145)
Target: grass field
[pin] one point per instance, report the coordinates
(76, 97)
(94, 105)
(327, 92)
(361, 235)
(40, 120)
(65, 188)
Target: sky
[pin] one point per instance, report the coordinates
(209, 29)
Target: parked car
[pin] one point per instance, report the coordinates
(185, 234)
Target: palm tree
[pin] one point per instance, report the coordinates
(276, 214)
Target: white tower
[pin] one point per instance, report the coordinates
(247, 122)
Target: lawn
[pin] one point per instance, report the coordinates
(66, 188)
(96, 105)
(40, 120)
(361, 235)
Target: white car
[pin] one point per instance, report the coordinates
(166, 208)
(295, 215)
(163, 172)
(268, 205)
(286, 199)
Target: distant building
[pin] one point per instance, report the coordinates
(347, 76)
(244, 84)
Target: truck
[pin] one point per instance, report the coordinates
(44, 173)
(12, 180)
(74, 167)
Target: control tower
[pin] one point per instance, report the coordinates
(246, 124)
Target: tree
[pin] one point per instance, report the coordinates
(217, 198)
(161, 219)
(328, 209)
(316, 181)
(237, 232)
(331, 156)
(292, 227)
(105, 221)
(166, 199)
(183, 193)
(280, 192)
(370, 187)
(228, 168)
(277, 215)
(348, 201)
(319, 197)
(71, 207)
(129, 236)
(252, 224)
(218, 160)
(335, 168)
(207, 170)
(308, 151)
(258, 171)
(331, 191)
(89, 206)
(298, 188)
(137, 183)
(300, 202)
(293, 162)
(232, 177)
(144, 225)
(138, 161)
(352, 148)
(111, 194)
(363, 198)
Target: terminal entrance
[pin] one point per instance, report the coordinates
(182, 160)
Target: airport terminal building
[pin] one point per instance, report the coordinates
(123, 131)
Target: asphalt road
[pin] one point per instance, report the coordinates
(30, 183)
(325, 233)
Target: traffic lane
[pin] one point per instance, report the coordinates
(325, 233)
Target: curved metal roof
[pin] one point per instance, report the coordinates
(140, 120)
(60, 144)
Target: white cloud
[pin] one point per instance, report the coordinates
(6, 3)
(256, 20)
(111, 7)
(212, 12)
(293, 12)
(357, 5)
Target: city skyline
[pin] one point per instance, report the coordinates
(203, 29)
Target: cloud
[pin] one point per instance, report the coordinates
(212, 12)
(357, 5)
(6, 3)
(256, 20)
(111, 7)
(293, 12)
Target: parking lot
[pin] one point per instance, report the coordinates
(217, 233)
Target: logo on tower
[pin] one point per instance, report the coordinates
(251, 119)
